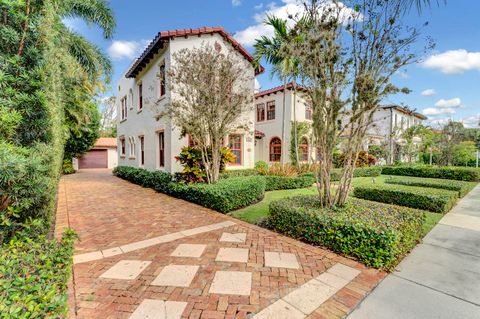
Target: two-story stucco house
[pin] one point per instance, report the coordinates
(269, 146)
(143, 92)
(389, 123)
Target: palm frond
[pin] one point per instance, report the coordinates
(95, 12)
(90, 58)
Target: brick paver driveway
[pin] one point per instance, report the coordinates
(143, 254)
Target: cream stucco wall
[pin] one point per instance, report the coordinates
(273, 128)
(143, 123)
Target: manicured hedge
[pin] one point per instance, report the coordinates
(224, 196)
(287, 182)
(458, 186)
(376, 234)
(434, 200)
(34, 275)
(456, 173)
(371, 171)
(239, 173)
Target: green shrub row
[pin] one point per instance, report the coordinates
(34, 276)
(287, 182)
(376, 234)
(239, 173)
(458, 186)
(456, 173)
(434, 200)
(371, 171)
(224, 196)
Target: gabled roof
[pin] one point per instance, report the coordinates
(106, 142)
(164, 36)
(280, 89)
(405, 110)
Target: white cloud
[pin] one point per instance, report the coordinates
(258, 6)
(452, 103)
(236, 3)
(429, 92)
(121, 49)
(433, 111)
(247, 36)
(257, 85)
(471, 121)
(454, 61)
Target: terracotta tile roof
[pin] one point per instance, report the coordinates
(279, 89)
(164, 36)
(106, 142)
(405, 110)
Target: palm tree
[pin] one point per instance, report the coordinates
(270, 49)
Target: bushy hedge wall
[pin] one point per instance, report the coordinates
(287, 182)
(224, 196)
(372, 171)
(239, 173)
(458, 186)
(434, 200)
(376, 234)
(456, 173)
(34, 279)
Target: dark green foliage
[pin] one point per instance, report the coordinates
(461, 187)
(434, 200)
(374, 233)
(67, 167)
(372, 171)
(224, 196)
(34, 277)
(456, 173)
(288, 182)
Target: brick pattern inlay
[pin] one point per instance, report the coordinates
(108, 212)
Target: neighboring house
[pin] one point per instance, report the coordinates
(389, 123)
(144, 92)
(269, 146)
(102, 155)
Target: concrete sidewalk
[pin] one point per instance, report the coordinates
(440, 278)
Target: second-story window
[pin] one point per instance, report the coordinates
(308, 112)
(260, 112)
(271, 110)
(162, 80)
(123, 105)
(140, 96)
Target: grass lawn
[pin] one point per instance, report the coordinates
(252, 214)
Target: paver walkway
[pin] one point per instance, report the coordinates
(441, 278)
(147, 255)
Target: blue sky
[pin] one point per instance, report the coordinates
(446, 85)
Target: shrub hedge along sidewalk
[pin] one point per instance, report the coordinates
(455, 173)
(463, 188)
(376, 234)
(434, 200)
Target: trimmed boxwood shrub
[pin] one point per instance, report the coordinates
(376, 234)
(371, 171)
(224, 196)
(238, 173)
(287, 182)
(434, 200)
(456, 173)
(458, 186)
(35, 272)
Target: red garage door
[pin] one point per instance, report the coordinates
(94, 159)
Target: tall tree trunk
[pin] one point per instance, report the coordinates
(284, 144)
(295, 132)
(25, 27)
(431, 156)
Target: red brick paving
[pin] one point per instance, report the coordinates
(107, 211)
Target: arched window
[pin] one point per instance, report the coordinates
(275, 149)
(303, 147)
